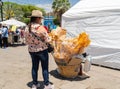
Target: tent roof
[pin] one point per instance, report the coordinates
(88, 7)
(13, 22)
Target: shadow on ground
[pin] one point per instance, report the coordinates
(17, 44)
(29, 84)
(55, 74)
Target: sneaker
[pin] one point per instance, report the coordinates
(49, 86)
(38, 85)
(35, 86)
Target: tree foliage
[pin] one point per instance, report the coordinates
(19, 12)
(11, 10)
(59, 7)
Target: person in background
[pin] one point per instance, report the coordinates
(10, 40)
(5, 35)
(38, 49)
(17, 32)
(22, 35)
(1, 35)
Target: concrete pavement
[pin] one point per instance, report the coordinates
(15, 73)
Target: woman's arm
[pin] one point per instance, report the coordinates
(43, 34)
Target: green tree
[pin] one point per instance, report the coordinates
(19, 12)
(12, 10)
(59, 7)
(27, 9)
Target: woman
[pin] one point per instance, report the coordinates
(38, 49)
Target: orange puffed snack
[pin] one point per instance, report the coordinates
(68, 46)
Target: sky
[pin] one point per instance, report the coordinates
(46, 4)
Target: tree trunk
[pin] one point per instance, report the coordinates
(60, 15)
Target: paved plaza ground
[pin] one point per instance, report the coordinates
(15, 73)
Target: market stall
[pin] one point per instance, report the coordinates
(101, 20)
(14, 29)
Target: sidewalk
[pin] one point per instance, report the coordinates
(15, 73)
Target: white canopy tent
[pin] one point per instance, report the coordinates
(13, 22)
(101, 20)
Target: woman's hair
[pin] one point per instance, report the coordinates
(5, 27)
(32, 20)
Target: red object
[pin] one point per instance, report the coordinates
(46, 28)
(37, 27)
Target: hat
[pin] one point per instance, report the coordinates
(36, 13)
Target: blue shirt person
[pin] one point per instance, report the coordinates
(5, 36)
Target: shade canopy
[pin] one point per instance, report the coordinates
(101, 20)
(13, 22)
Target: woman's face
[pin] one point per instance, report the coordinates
(39, 20)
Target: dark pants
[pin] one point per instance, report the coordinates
(0, 41)
(36, 58)
(5, 42)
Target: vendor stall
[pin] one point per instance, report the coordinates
(14, 29)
